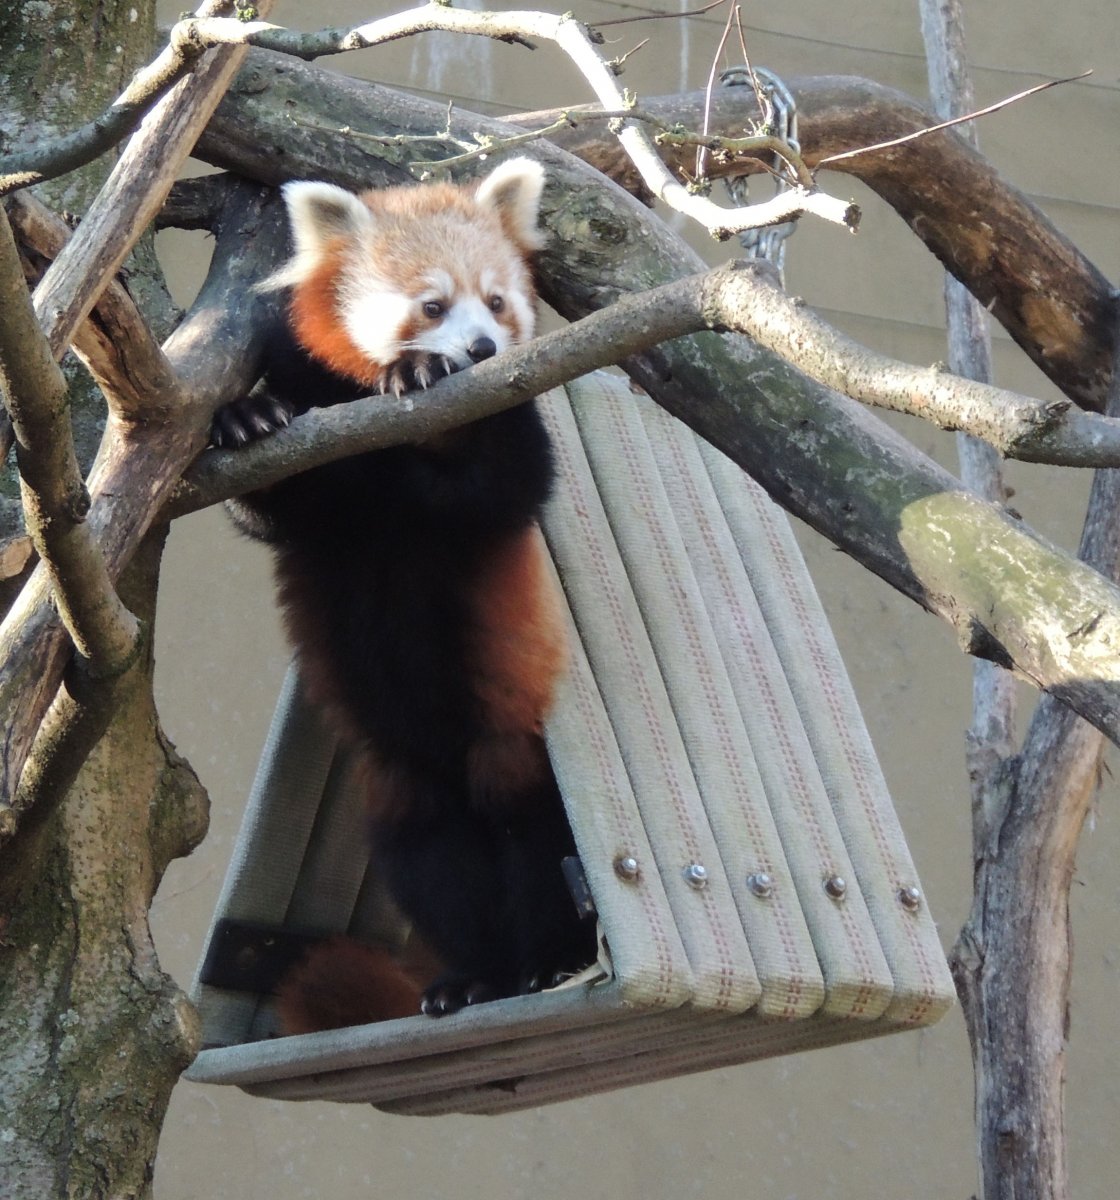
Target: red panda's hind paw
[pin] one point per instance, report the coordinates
(450, 993)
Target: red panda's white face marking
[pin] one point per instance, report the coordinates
(432, 273)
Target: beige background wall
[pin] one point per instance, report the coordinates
(885, 1119)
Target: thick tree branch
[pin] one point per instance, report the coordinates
(1017, 426)
(132, 195)
(1032, 279)
(803, 443)
(55, 500)
(740, 297)
(114, 341)
(50, 158)
(214, 354)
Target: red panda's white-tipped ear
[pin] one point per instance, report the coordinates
(321, 212)
(514, 189)
(318, 213)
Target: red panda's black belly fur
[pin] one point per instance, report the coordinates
(383, 564)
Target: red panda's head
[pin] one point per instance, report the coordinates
(425, 273)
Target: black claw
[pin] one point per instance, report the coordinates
(451, 994)
(248, 419)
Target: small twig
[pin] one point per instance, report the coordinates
(616, 64)
(752, 146)
(925, 132)
(706, 124)
(762, 97)
(661, 16)
(470, 150)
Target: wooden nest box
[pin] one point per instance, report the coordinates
(754, 892)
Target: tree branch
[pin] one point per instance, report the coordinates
(55, 500)
(52, 157)
(802, 442)
(1032, 279)
(1034, 615)
(114, 340)
(214, 354)
(132, 195)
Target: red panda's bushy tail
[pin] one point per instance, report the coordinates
(343, 982)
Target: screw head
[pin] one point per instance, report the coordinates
(626, 867)
(760, 884)
(910, 898)
(836, 887)
(696, 875)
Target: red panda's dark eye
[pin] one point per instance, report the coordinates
(497, 304)
(433, 308)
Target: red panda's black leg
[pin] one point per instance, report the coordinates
(447, 876)
(489, 896)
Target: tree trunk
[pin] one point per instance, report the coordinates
(95, 1035)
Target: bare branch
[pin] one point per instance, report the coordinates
(657, 16)
(114, 341)
(55, 500)
(1032, 278)
(831, 159)
(732, 12)
(56, 156)
(577, 42)
(132, 195)
(752, 146)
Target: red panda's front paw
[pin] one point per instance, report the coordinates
(417, 372)
(248, 419)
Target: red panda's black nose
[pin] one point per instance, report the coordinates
(481, 348)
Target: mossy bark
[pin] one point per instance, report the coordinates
(94, 1033)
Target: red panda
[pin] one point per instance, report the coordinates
(413, 579)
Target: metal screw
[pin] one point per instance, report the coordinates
(836, 887)
(626, 867)
(910, 898)
(696, 875)
(760, 884)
